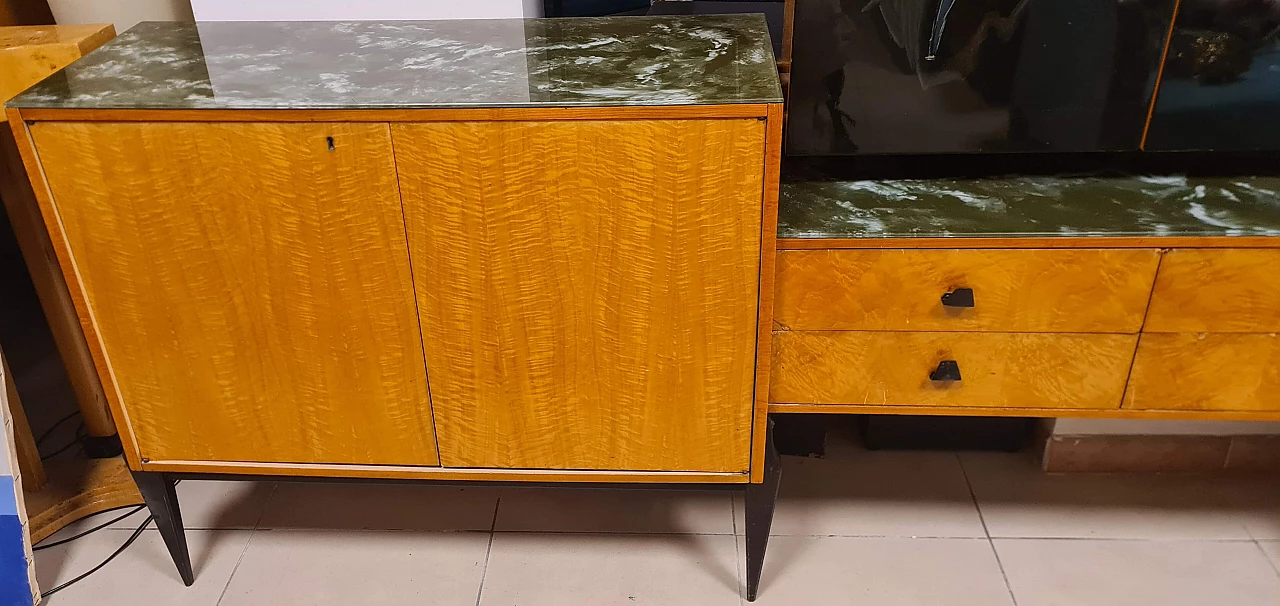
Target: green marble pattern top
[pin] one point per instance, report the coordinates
(658, 60)
(1031, 207)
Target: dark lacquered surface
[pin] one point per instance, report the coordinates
(665, 60)
(1031, 207)
(1221, 83)
(1009, 75)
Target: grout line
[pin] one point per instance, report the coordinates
(235, 568)
(1275, 565)
(737, 552)
(488, 550)
(1266, 555)
(973, 495)
(252, 531)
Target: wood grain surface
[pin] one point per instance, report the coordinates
(78, 488)
(1235, 290)
(28, 54)
(998, 370)
(1197, 371)
(588, 290)
(445, 474)
(1014, 290)
(250, 287)
(768, 261)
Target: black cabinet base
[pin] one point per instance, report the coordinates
(760, 501)
(158, 490)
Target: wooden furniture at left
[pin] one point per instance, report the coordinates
(78, 488)
(280, 276)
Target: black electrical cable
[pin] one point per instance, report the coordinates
(49, 431)
(126, 544)
(117, 552)
(134, 509)
(74, 442)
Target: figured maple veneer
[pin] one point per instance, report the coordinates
(1014, 290)
(249, 286)
(1206, 290)
(588, 290)
(998, 370)
(1215, 372)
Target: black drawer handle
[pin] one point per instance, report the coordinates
(960, 297)
(947, 370)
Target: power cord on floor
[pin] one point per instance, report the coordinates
(120, 550)
(132, 510)
(117, 552)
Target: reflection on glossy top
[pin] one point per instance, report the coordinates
(670, 60)
(1031, 206)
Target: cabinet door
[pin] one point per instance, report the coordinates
(588, 289)
(250, 286)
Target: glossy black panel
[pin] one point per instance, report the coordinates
(946, 76)
(1221, 84)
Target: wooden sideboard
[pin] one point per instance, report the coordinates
(546, 256)
(1134, 297)
(550, 256)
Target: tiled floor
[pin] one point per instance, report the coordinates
(865, 528)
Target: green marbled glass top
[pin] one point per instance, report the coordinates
(1031, 206)
(659, 60)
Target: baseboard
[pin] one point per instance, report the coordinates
(1160, 453)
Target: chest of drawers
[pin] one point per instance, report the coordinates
(1002, 311)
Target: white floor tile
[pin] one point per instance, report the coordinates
(1055, 572)
(320, 568)
(649, 511)
(1272, 549)
(1019, 500)
(320, 506)
(881, 571)
(144, 573)
(863, 493)
(531, 569)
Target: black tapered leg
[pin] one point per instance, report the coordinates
(158, 490)
(760, 500)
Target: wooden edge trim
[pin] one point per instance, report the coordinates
(768, 258)
(441, 473)
(1034, 242)
(53, 222)
(480, 114)
(1079, 413)
(1155, 90)
(788, 33)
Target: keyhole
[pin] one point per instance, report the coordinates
(330, 141)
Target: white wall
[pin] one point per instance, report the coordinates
(1132, 427)
(124, 14)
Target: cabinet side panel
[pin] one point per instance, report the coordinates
(250, 285)
(588, 290)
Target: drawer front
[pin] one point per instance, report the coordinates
(998, 370)
(1013, 290)
(1191, 371)
(1226, 290)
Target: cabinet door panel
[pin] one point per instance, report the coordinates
(1205, 371)
(588, 289)
(250, 286)
(1216, 290)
